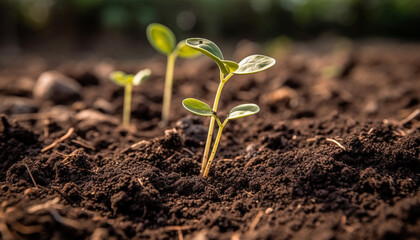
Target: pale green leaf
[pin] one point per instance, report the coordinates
(161, 38)
(243, 110)
(186, 51)
(141, 76)
(254, 64)
(118, 78)
(230, 65)
(210, 49)
(197, 107)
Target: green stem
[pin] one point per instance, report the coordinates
(127, 104)
(167, 95)
(212, 121)
(213, 151)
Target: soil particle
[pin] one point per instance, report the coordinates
(56, 87)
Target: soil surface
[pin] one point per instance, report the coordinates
(333, 154)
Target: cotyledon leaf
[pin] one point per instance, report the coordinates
(161, 38)
(186, 51)
(141, 76)
(119, 78)
(210, 49)
(197, 107)
(243, 110)
(254, 64)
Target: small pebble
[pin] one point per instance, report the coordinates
(269, 210)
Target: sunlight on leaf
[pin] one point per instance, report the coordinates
(186, 51)
(210, 49)
(243, 110)
(161, 38)
(197, 107)
(254, 64)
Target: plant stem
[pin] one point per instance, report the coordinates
(212, 120)
(167, 95)
(127, 104)
(213, 151)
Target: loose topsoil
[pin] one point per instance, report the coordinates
(333, 154)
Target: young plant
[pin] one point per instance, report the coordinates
(203, 109)
(127, 81)
(249, 65)
(163, 40)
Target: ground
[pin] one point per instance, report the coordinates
(333, 154)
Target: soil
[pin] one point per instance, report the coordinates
(333, 154)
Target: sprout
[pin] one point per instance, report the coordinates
(163, 40)
(127, 81)
(249, 65)
(203, 109)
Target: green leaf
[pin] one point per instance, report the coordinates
(161, 38)
(230, 65)
(119, 78)
(243, 110)
(197, 107)
(141, 76)
(210, 49)
(186, 51)
(254, 64)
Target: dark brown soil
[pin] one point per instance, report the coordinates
(331, 155)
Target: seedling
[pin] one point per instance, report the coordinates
(163, 40)
(127, 81)
(203, 109)
(249, 65)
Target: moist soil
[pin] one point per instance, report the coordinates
(333, 154)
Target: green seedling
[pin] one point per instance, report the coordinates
(203, 109)
(127, 81)
(249, 65)
(163, 40)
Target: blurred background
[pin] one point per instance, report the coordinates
(110, 26)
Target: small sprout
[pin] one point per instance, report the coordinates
(163, 40)
(127, 81)
(203, 109)
(249, 65)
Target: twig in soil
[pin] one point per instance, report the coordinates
(62, 194)
(63, 220)
(32, 177)
(313, 139)
(31, 116)
(17, 226)
(255, 221)
(178, 229)
(68, 156)
(67, 135)
(188, 151)
(249, 193)
(85, 145)
(400, 132)
(26, 230)
(141, 182)
(46, 205)
(370, 131)
(335, 141)
(410, 117)
(46, 129)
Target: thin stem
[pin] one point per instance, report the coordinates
(213, 151)
(127, 104)
(212, 121)
(167, 95)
